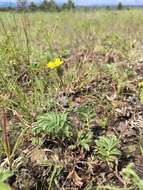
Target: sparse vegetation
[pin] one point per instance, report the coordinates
(71, 94)
(107, 148)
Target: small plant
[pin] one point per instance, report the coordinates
(129, 72)
(113, 70)
(4, 175)
(84, 138)
(54, 124)
(107, 148)
(117, 44)
(56, 64)
(87, 116)
(119, 76)
(84, 135)
(103, 123)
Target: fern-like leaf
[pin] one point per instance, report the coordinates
(54, 124)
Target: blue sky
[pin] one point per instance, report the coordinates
(93, 2)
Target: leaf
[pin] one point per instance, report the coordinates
(107, 148)
(4, 175)
(86, 146)
(54, 124)
(4, 186)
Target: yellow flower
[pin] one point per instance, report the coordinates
(54, 64)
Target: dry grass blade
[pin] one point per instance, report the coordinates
(5, 138)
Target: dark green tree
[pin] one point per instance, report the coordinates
(49, 5)
(44, 5)
(69, 5)
(33, 6)
(108, 7)
(52, 6)
(120, 6)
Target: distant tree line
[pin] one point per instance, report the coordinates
(118, 7)
(46, 5)
(51, 5)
